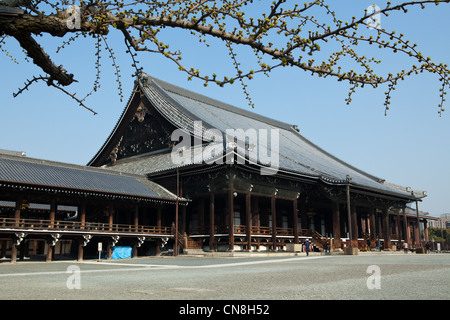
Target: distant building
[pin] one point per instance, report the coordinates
(445, 219)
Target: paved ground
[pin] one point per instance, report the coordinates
(361, 277)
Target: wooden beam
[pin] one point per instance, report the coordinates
(248, 215)
(175, 245)
(349, 215)
(80, 250)
(386, 229)
(295, 214)
(49, 252)
(13, 250)
(82, 212)
(53, 212)
(211, 222)
(373, 226)
(231, 218)
(18, 210)
(354, 224)
(183, 220)
(110, 216)
(406, 233)
(336, 225)
(419, 240)
(136, 217)
(274, 222)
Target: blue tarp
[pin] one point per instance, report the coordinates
(122, 253)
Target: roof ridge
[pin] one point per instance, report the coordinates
(217, 103)
(66, 165)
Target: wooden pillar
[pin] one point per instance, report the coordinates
(255, 221)
(400, 229)
(110, 217)
(336, 225)
(52, 212)
(158, 217)
(397, 228)
(231, 218)
(3, 252)
(183, 220)
(349, 216)
(49, 253)
(274, 222)
(386, 229)
(211, 222)
(23, 249)
(17, 210)
(295, 213)
(248, 215)
(17, 220)
(302, 212)
(80, 249)
(136, 218)
(255, 218)
(416, 233)
(419, 240)
(136, 228)
(110, 225)
(35, 244)
(82, 212)
(108, 250)
(425, 230)
(354, 224)
(373, 226)
(406, 234)
(13, 250)
(158, 224)
(80, 252)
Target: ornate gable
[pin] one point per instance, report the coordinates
(141, 129)
(144, 134)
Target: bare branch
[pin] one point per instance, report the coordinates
(290, 26)
(49, 82)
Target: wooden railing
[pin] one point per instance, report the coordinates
(241, 229)
(78, 226)
(261, 231)
(316, 237)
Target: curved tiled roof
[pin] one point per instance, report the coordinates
(297, 155)
(36, 173)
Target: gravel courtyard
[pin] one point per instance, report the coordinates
(336, 277)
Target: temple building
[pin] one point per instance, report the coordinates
(183, 171)
(49, 208)
(253, 183)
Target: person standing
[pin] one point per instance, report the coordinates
(307, 247)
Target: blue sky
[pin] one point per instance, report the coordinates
(408, 147)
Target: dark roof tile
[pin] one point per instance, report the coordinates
(36, 172)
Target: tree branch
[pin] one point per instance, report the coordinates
(41, 59)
